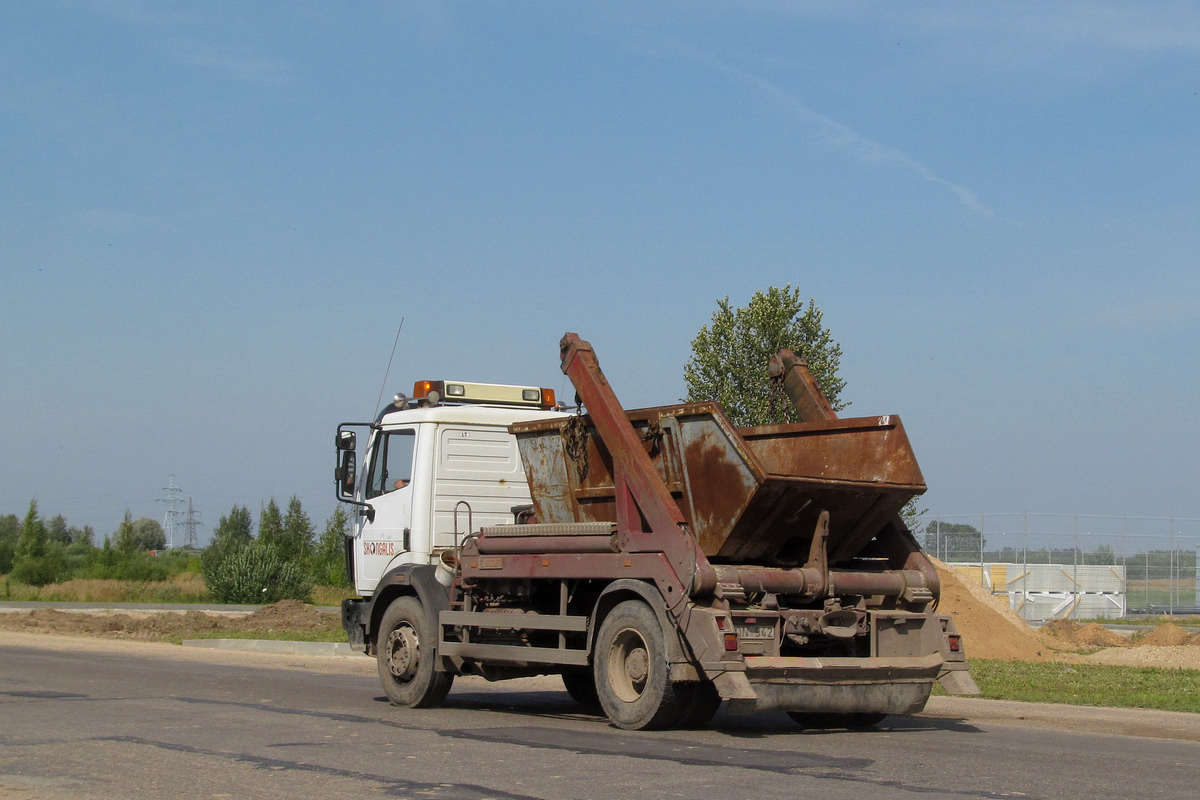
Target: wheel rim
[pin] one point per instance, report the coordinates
(629, 665)
(404, 653)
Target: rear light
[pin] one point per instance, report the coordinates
(731, 642)
(548, 398)
(955, 643)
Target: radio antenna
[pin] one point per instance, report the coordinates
(389, 368)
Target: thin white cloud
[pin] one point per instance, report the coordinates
(139, 12)
(104, 219)
(1146, 27)
(191, 50)
(1147, 314)
(239, 66)
(838, 136)
(1138, 27)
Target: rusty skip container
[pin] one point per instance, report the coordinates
(751, 495)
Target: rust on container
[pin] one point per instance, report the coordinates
(750, 495)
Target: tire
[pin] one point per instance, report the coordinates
(700, 701)
(632, 677)
(856, 721)
(582, 688)
(405, 656)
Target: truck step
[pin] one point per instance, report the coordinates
(514, 653)
(513, 622)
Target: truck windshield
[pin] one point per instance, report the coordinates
(391, 462)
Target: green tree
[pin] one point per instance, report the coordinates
(296, 542)
(270, 525)
(6, 555)
(31, 541)
(911, 515)
(1104, 555)
(329, 562)
(84, 536)
(57, 530)
(124, 539)
(233, 534)
(10, 529)
(954, 541)
(730, 355)
(148, 534)
(35, 561)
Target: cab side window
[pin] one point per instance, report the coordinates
(391, 462)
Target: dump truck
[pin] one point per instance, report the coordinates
(662, 561)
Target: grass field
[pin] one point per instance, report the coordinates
(187, 587)
(1089, 684)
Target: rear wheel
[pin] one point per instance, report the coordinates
(856, 721)
(582, 688)
(632, 677)
(405, 656)
(700, 702)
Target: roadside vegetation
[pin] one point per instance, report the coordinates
(1089, 684)
(50, 560)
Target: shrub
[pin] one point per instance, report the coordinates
(7, 549)
(39, 570)
(257, 575)
(113, 564)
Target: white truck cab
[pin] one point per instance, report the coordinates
(435, 467)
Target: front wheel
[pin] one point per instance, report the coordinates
(632, 676)
(405, 656)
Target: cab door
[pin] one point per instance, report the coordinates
(389, 489)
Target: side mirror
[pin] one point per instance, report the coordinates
(346, 440)
(344, 473)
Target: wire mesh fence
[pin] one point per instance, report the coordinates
(1081, 566)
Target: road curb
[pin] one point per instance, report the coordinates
(275, 646)
(1145, 722)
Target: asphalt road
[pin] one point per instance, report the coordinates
(83, 719)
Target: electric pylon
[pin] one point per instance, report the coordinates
(172, 500)
(189, 527)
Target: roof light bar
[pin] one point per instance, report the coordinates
(434, 392)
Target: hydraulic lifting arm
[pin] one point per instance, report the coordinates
(648, 519)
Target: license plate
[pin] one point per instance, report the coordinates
(756, 631)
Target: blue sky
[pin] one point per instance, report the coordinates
(213, 216)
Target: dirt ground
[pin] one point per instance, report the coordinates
(287, 615)
(990, 629)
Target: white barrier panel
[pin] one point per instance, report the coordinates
(1054, 591)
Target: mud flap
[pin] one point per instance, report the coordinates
(958, 682)
(735, 687)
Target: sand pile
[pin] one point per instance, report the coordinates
(1069, 633)
(1168, 635)
(992, 630)
(1178, 657)
(290, 615)
(989, 627)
